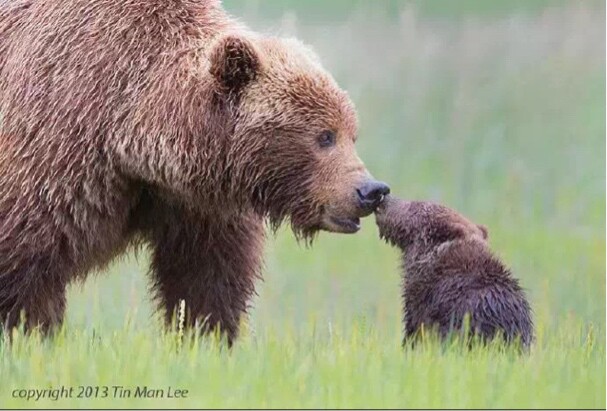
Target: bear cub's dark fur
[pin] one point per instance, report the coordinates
(449, 271)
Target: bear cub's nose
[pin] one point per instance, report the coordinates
(371, 194)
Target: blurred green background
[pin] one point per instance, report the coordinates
(495, 108)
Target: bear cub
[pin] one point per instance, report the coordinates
(449, 272)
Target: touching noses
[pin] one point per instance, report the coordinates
(371, 194)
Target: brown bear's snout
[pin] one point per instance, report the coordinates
(371, 194)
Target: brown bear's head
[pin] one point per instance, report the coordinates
(423, 224)
(294, 135)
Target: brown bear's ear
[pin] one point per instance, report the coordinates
(445, 231)
(234, 63)
(484, 231)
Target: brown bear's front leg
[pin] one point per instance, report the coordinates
(210, 263)
(32, 286)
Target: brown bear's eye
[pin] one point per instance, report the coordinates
(326, 139)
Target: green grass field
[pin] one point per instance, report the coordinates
(495, 108)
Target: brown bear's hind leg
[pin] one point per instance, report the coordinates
(210, 263)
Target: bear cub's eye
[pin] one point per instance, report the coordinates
(326, 139)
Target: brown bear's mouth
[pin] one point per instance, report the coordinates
(341, 225)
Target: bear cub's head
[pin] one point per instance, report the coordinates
(424, 225)
(294, 134)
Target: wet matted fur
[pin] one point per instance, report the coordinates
(449, 272)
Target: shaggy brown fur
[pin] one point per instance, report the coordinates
(163, 121)
(450, 272)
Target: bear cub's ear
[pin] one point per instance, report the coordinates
(234, 63)
(484, 231)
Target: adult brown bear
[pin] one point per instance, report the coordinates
(168, 123)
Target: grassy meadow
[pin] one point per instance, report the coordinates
(495, 108)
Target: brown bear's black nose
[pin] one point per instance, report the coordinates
(371, 194)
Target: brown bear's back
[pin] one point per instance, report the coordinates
(78, 77)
